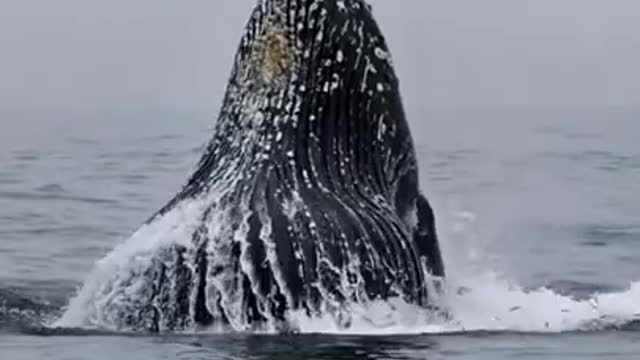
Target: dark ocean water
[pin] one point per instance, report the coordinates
(538, 211)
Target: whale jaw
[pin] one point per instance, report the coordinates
(306, 199)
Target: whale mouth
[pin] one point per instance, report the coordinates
(306, 200)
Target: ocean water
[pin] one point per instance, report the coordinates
(538, 213)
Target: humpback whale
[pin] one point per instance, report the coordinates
(306, 198)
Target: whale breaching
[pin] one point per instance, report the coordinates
(306, 199)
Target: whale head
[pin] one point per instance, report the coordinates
(312, 80)
(306, 199)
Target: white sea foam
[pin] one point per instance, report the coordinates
(490, 305)
(480, 299)
(476, 297)
(132, 256)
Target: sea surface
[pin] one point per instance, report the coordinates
(538, 213)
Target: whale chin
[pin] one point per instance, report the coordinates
(306, 199)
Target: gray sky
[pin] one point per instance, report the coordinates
(123, 55)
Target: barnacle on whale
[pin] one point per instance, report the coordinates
(276, 54)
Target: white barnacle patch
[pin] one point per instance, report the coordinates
(335, 83)
(369, 68)
(383, 55)
(307, 179)
(382, 128)
(288, 107)
(293, 206)
(380, 53)
(259, 117)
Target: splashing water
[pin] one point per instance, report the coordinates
(131, 257)
(476, 297)
(479, 299)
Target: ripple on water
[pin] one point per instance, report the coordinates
(600, 235)
(51, 189)
(20, 195)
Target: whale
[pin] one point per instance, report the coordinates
(307, 198)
